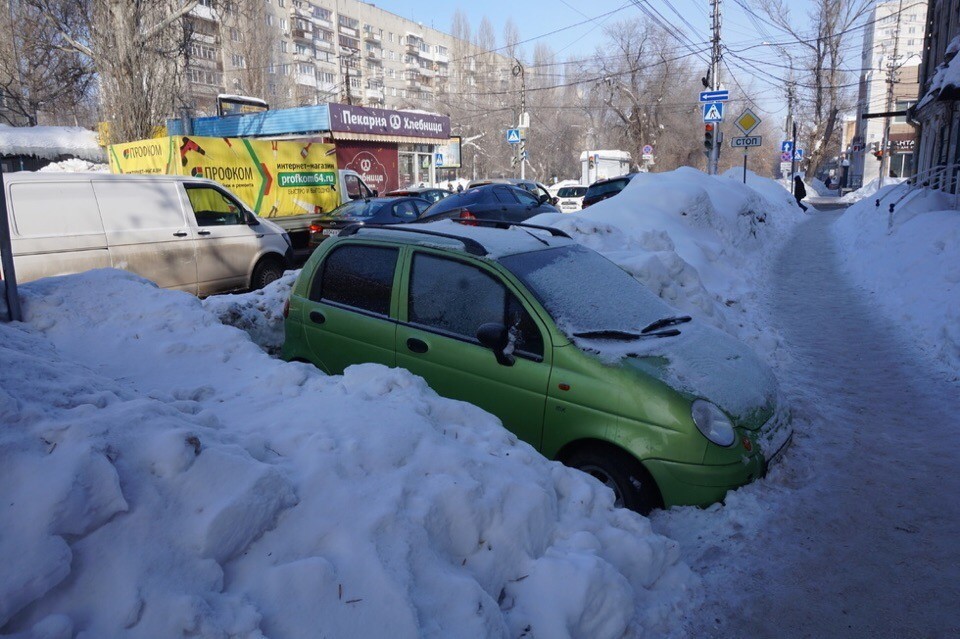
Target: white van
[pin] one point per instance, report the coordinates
(183, 233)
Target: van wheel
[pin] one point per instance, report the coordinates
(632, 485)
(267, 270)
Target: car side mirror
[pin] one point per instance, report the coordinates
(554, 200)
(496, 337)
(252, 220)
(376, 192)
(543, 199)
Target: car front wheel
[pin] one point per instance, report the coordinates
(632, 485)
(268, 270)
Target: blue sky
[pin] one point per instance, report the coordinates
(537, 17)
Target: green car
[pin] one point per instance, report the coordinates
(574, 355)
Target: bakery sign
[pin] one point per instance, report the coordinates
(357, 119)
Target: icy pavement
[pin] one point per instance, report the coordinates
(857, 532)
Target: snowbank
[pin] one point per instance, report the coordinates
(51, 142)
(163, 476)
(913, 268)
(701, 243)
(869, 189)
(259, 313)
(74, 165)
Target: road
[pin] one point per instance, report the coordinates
(857, 533)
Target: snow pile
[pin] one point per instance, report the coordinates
(75, 165)
(701, 243)
(869, 189)
(164, 477)
(50, 142)
(913, 268)
(259, 313)
(817, 186)
(946, 76)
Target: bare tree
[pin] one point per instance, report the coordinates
(250, 41)
(823, 84)
(39, 73)
(137, 48)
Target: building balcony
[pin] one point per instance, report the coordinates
(349, 31)
(301, 12)
(303, 57)
(307, 80)
(327, 87)
(326, 45)
(323, 24)
(414, 84)
(372, 36)
(374, 94)
(442, 58)
(301, 35)
(426, 72)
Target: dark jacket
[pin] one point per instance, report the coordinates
(799, 190)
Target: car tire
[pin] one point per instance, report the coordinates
(267, 270)
(632, 485)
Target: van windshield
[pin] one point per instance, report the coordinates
(572, 191)
(584, 292)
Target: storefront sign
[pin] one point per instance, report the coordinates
(356, 119)
(376, 163)
(903, 142)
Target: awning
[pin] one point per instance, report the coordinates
(393, 139)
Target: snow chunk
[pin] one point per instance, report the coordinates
(51, 142)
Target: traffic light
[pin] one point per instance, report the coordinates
(708, 137)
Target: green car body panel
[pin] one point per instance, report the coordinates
(569, 398)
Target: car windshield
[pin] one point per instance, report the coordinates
(572, 191)
(357, 209)
(614, 186)
(585, 292)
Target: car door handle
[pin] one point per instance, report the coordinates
(180, 234)
(203, 232)
(317, 317)
(417, 345)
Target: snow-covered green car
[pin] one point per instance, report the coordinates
(574, 355)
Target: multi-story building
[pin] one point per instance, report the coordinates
(302, 52)
(937, 111)
(892, 49)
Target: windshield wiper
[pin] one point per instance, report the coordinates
(665, 322)
(624, 335)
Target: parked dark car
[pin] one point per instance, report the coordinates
(604, 189)
(427, 193)
(489, 202)
(531, 186)
(377, 210)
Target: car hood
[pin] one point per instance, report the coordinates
(702, 362)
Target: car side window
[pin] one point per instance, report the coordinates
(357, 276)
(457, 298)
(405, 210)
(526, 198)
(421, 206)
(212, 207)
(504, 195)
(352, 185)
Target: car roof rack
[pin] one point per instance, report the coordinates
(555, 232)
(470, 245)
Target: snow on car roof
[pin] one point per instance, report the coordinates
(497, 242)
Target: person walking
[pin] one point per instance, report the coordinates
(799, 191)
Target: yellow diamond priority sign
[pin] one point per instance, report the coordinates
(747, 121)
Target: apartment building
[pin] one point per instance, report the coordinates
(892, 50)
(302, 52)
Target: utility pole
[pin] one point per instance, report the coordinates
(715, 57)
(522, 123)
(346, 70)
(892, 72)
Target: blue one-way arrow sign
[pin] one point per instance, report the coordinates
(786, 146)
(713, 112)
(513, 136)
(714, 96)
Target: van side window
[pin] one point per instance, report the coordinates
(352, 186)
(457, 298)
(212, 208)
(357, 276)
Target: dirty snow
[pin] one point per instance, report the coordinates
(912, 268)
(51, 142)
(163, 476)
(259, 313)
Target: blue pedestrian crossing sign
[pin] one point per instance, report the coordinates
(786, 146)
(513, 136)
(713, 112)
(798, 155)
(438, 159)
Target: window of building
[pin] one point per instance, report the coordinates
(283, 24)
(322, 14)
(239, 62)
(305, 69)
(325, 76)
(350, 43)
(903, 105)
(270, 21)
(234, 34)
(354, 82)
(283, 46)
(347, 21)
(281, 3)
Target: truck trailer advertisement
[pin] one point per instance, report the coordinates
(275, 178)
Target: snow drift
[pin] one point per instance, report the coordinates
(913, 266)
(51, 142)
(163, 476)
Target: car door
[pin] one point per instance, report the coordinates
(226, 244)
(443, 302)
(528, 206)
(347, 319)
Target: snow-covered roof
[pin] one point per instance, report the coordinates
(51, 142)
(245, 98)
(946, 80)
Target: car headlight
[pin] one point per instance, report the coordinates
(712, 422)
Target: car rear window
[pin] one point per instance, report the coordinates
(606, 188)
(572, 191)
